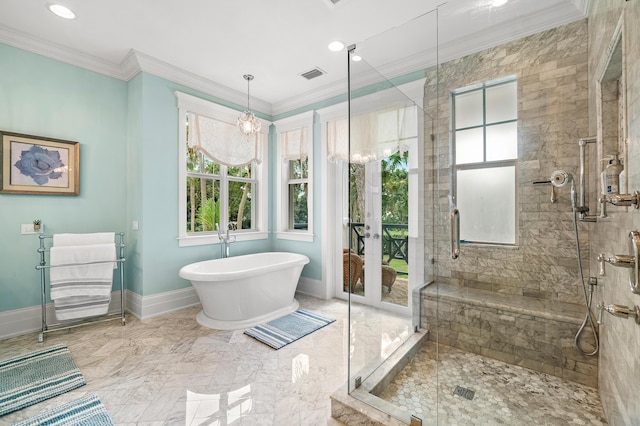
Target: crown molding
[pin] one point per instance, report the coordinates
(133, 63)
(15, 38)
(545, 20)
(136, 62)
(178, 75)
(317, 95)
(583, 6)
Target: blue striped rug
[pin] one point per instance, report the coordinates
(282, 331)
(36, 376)
(86, 411)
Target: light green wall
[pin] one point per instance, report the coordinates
(312, 250)
(43, 97)
(158, 216)
(128, 133)
(134, 271)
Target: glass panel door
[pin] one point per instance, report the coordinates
(390, 207)
(386, 212)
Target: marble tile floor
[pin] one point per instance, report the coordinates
(505, 394)
(169, 370)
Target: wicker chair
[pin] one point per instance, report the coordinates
(350, 257)
(388, 275)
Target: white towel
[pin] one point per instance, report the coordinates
(79, 279)
(83, 239)
(68, 308)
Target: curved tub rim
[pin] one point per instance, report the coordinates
(187, 272)
(208, 322)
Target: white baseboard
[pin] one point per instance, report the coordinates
(312, 287)
(29, 320)
(18, 322)
(145, 307)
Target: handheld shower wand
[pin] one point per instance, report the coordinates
(560, 178)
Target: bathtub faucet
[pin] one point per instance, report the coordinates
(226, 239)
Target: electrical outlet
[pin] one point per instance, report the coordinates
(134, 225)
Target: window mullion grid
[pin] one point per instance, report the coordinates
(224, 197)
(203, 175)
(484, 124)
(254, 188)
(297, 181)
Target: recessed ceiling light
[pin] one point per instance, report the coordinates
(336, 46)
(497, 3)
(356, 58)
(61, 11)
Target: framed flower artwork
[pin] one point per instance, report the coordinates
(37, 165)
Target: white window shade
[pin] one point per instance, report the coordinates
(295, 144)
(223, 142)
(374, 135)
(338, 140)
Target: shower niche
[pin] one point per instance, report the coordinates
(611, 108)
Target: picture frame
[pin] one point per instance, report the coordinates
(38, 165)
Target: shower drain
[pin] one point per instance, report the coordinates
(464, 392)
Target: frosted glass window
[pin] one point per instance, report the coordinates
(502, 141)
(502, 102)
(469, 110)
(486, 200)
(469, 146)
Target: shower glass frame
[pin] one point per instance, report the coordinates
(369, 88)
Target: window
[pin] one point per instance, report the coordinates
(485, 150)
(295, 165)
(221, 175)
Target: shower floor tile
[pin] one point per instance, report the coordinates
(505, 394)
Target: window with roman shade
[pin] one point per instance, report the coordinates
(295, 195)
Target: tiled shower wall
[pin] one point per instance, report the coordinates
(551, 68)
(620, 338)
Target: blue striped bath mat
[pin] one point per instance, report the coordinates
(36, 376)
(86, 411)
(282, 331)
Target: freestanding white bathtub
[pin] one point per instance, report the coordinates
(244, 291)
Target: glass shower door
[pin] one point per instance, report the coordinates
(387, 152)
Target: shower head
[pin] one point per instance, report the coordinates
(560, 178)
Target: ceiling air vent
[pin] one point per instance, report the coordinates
(311, 74)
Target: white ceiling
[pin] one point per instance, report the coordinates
(210, 44)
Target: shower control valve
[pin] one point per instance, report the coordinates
(623, 311)
(619, 260)
(622, 200)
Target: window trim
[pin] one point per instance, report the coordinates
(189, 103)
(282, 178)
(484, 164)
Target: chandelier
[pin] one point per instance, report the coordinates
(247, 122)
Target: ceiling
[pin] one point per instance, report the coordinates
(210, 44)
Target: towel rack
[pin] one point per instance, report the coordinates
(46, 328)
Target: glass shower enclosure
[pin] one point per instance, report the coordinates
(448, 176)
(390, 140)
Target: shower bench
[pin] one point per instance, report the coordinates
(533, 333)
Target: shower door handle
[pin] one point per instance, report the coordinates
(455, 233)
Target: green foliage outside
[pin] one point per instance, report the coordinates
(395, 189)
(203, 194)
(208, 215)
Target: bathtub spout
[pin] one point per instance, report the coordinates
(226, 240)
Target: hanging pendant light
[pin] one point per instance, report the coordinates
(247, 122)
